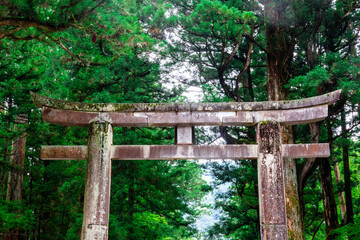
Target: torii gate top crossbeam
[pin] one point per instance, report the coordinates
(327, 99)
(185, 114)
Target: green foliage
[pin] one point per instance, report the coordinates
(14, 215)
(309, 83)
(223, 21)
(166, 191)
(350, 231)
(212, 38)
(239, 205)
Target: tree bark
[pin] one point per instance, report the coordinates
(341, 194)
(15, 178)
(6, 148)
(293, 212)
(4, 167)
(279, 49)
(330, 209)
(347, 179)
(17, 158)
(309, 166)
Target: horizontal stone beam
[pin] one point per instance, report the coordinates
(311, 150)
(76, 118)
(327, 99)
(167, 119)
(64, 152)
(285, 117)
(163, 119)
(173, 152)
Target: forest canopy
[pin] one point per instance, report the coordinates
(117, 51)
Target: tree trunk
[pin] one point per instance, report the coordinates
(341, 194)
(309, 166)
(15, 179)
(293, 212)
(280, 50)
(347, 180)
(6, 149)
(330, 210)
(4, 167)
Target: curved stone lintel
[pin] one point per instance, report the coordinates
(83, 119)
(168, 119)
(42, 101)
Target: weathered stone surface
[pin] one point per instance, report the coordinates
(42, 101)
(164, 152)
(158, 152)
(161, 119)
(68, 118)
(242, 118)
(285, 117)
(64, 152)
(184, 135)
(95, 232)
(82, 119)
(97, 185)
(293, 116)
(118, 119)
(313, 150)
(273, 232)
(271, 182)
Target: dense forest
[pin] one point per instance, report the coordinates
(151, 51)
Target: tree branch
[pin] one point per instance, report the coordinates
(251, 39)
(23, 23)
(247, 64)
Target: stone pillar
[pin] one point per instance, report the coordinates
(184, 135)
(271, 182)
(98, 179)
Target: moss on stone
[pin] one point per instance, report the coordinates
(42, 101)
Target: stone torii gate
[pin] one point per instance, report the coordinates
(100, 118)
